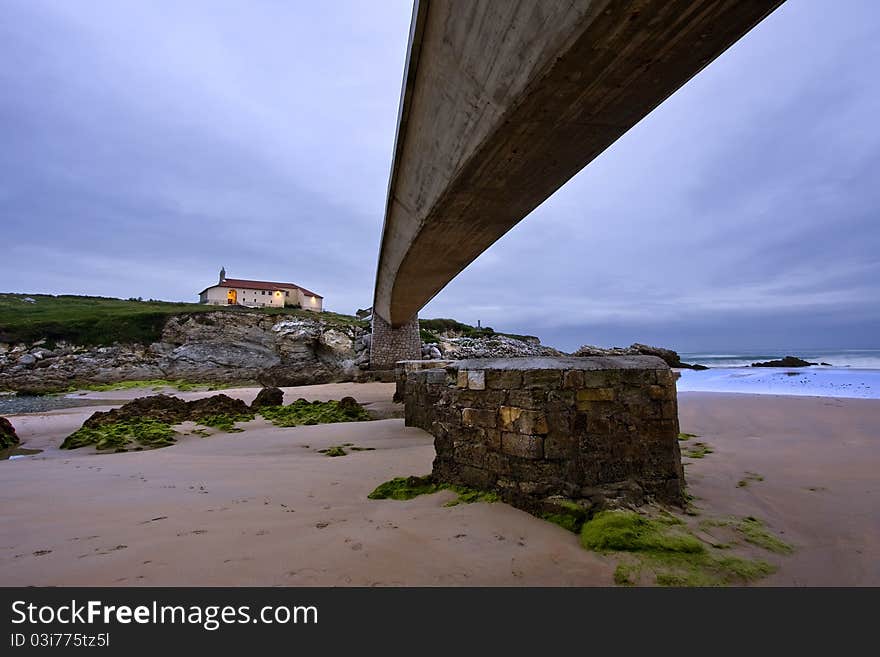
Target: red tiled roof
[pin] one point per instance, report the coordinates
(262, 285)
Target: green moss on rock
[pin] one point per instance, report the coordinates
(753, 531)
(336, 450)
(302, 412)
(407, 488)
(666, 548)
(565, 513)
(698, 450)
(119, 435)
(628, 531)
(226, 421)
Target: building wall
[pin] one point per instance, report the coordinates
(310, 303)
(214, 296)
(260, 298)
(217, 296)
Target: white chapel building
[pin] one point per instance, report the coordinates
(259, 294)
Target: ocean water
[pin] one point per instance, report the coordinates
(850, 373)
(851, 358)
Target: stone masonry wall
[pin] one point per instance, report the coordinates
(389, 345)
(403, 368)
(545, 432)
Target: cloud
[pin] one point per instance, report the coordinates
(146, 144)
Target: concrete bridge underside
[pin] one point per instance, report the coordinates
(502, 103)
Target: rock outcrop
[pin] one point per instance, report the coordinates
(787, 361)
(169, 410)
(268, 397)
(8, 437)
(494, 346)
(211, 347)
(669, 356)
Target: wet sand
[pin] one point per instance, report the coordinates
(263, 507)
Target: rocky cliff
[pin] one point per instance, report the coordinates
(211, 347)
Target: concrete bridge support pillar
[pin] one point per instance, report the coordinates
(389, 344)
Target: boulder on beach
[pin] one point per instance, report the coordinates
(269, 396)
(788, 361)
(169, 410)
(8, 437)
(351, 407)
(216, 405)
(162, 408)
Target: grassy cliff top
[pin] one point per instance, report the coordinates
(104, 320)
(432, 328)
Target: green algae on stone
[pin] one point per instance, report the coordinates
(468, 495)
(407, 488)
(119, 435)
(565, 513)
(748, 478)
(404, 488)
(336, 450)
(687, 436)
(565, 521)
(665, 547)
(302, 412)
(626, 574)
(753, 531)
(628, 531)
(226, 421)
(155, 384)
(698, 450)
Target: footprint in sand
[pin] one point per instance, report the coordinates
(40, 553)
(193, 532)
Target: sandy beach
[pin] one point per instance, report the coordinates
(265, 508)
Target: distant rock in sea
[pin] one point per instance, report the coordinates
(788, 361)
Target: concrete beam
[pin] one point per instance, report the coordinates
(503, 102)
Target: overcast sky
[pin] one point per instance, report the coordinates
(145, 144)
